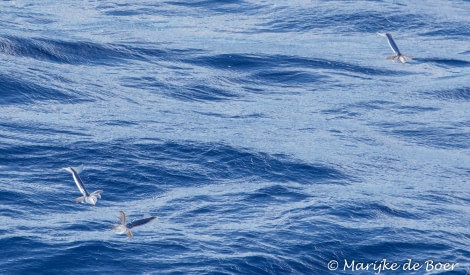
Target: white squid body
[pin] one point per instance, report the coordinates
(124, 228)
(86, 198)
(399, 56)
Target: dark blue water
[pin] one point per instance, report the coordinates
(267, 137)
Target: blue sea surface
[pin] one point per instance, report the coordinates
(268, 137)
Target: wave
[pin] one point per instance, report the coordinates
(17, 90)
(65, 52)
(361, 19)
(456, 94)
(445, 63)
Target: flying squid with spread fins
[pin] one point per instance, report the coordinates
(398, 55)
(87, 197)
(125, 228)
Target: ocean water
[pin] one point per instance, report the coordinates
(268, 137)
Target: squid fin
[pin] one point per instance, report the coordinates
(129, 233)
(80, 199)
